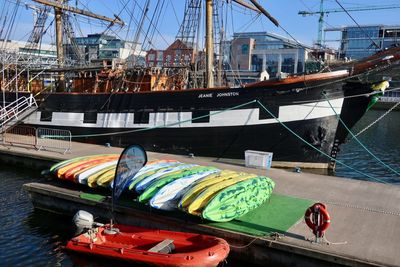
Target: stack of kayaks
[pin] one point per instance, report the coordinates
(81, 169)
(94, 170)
(214, 194)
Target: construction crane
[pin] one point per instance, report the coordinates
(322, 12)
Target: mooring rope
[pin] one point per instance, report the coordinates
(233, 108)
(378, 119)
(318, 150)
(358, 140)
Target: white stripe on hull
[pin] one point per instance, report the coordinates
(228, 118)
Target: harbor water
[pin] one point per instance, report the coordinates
(35, 238)
(382, 139)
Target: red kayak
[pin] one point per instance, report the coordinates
(153, 247)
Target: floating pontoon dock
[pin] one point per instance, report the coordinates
(365, 216)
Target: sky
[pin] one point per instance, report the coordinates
(304, 29)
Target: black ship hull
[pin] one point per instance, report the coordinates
(221, 123)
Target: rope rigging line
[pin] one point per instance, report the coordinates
(147, 40)
(241, 31)
(358, 25)
(108, 25)
(378, 119)
(346, 97)
(164, 126)
(233, 108)
(318, 150)
(358, 140)
(10, 27)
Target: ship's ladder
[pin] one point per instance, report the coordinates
(14, 112)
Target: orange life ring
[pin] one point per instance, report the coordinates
(317, 225)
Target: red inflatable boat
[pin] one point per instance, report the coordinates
(153, 247)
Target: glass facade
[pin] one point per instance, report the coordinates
(100, 46)
(360, 42)
(256, 63)
(288, 62)
(272, 64)
(301, 61)
(271, 52)
(106, 54)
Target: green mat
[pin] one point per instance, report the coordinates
(276, 215)
(93, 197)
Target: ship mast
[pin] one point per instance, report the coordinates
(209, 44)
(59, 46)
(255, 6)
(59, 8)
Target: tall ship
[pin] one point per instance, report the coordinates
(189, 108)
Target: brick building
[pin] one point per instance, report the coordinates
(177, 54)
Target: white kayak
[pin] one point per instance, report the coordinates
(169, 195)
(141, 186)
(152, 167)
(82, 177)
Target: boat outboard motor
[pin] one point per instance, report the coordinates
(83, 220)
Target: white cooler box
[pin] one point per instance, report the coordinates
(258, 159)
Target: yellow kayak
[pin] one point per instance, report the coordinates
(207, 181)
(92, 179)
(105, 179)
(206, 195)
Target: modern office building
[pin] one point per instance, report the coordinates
(97, 47)
(262, 51)
(359, 42)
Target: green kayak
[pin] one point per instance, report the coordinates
(238, 199)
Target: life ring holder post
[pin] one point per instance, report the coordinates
(318, 220)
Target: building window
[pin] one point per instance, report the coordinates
(245, 49)
(272, 64)
(168, 60)
(187, 58)
(288, 61)
(160, 55)
(151, 57)
(256, 63)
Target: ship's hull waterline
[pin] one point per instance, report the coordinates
(163, 121)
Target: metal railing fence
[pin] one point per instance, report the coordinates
(57, 139)
(20, 135)
(39, 138)
(15, 108)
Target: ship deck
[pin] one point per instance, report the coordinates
(364, 216)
